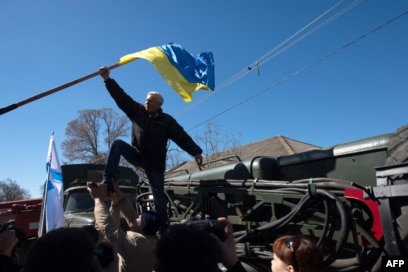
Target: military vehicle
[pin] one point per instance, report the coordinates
(78, 204)
(351, 198)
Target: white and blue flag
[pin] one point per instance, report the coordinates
(54, 195)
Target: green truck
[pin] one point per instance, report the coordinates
(78, 204)
(351, 197)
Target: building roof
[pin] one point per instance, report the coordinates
(271, 147)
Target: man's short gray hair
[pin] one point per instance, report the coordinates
(157, 95)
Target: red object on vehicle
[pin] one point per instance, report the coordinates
(373, 206)
(26, 214)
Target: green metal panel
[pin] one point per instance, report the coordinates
(354, 161)
(359, 168)
(77, 174)
(258, 167)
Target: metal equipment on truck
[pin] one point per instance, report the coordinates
(351, 197)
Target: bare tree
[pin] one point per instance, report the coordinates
(91, 134)
(175, 157)
(218, 142)
(214, 141)
(10, 190)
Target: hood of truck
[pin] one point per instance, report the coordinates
(79, 219)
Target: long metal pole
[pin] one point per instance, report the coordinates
(53, 90)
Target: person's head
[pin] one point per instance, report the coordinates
(153, 102)
(296, 253)
(184, 248)
(94, 233)
(147, 223)
(8, 239)
(63, 249)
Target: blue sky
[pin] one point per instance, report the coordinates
(354, 92)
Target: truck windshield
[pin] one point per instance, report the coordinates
(82, 202)
(79, 202)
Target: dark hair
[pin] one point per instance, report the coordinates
(299, 251)
(184, 248)
(63, 250)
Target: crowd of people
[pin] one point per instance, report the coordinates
(149, 243)
(107, 247)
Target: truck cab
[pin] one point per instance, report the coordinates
(78, 204)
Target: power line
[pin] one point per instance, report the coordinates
(278, 49)
(321, 59)
(268, 57)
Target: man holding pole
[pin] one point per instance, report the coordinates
(152, 128)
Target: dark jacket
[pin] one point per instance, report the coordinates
(9, 264)
(151, 132)
(237, 268)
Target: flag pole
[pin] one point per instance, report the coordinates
(41, 225)
(53, 90)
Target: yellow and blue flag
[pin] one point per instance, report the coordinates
(179, 68)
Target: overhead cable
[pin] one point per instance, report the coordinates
(278, 50)
(337, 50)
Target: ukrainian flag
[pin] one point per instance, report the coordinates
(180, 69)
